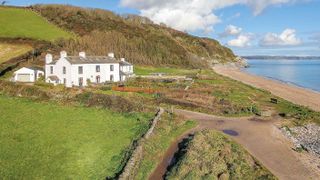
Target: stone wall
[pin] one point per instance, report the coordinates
(132, 165)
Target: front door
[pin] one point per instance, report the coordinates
(80, 82)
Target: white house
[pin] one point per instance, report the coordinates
(80, 70)
(28, 75)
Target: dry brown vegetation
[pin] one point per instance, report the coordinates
(135, 38)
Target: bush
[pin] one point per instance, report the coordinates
(115, 103)
(13, 89)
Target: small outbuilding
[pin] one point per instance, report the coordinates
(28, 74)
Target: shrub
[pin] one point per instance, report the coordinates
(115, 103)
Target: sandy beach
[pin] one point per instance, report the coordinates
(297, 95)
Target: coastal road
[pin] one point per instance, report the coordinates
(261, 138)
(291, 93)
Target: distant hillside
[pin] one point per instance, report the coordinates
(23, 23)
(283, 57)
(133, 37)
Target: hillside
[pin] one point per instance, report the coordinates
(8, 51)
(133, 37)
(23, 23)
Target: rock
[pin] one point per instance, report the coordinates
(242, 62)
(305, 137)
(267, 113)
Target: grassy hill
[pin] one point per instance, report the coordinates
(50, 141)
(24, 23)
(133, 37)
(9, 50)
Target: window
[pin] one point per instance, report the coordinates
(80, 70)
(64, 70)
(64, 81)
(51, 69)
(111, 78)
(98, 68)
(111, 68)
(98, 79)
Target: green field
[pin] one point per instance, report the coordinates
(212, 155)
(50, 141)
(23, 23)
(147, 70)
(8, 51)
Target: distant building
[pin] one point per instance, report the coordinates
(28, 74)
(81, 70)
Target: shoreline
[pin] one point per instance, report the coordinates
(283, 82)
(295, 94)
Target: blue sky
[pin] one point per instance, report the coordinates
(249, 27)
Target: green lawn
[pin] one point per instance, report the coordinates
(8, 51)
(18, 22)
(147, 70)
(50, 141)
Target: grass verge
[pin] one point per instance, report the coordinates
(167, 130)
(212, 155)
(49, 141)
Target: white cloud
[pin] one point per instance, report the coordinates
(286, 38)
(241, 41)
(192, 15)
(231, 30)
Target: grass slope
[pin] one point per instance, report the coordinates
(8, 51)
(48, 141)
(211, 155)
(23, 23)
(135, 38)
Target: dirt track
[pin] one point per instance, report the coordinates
(291, 93)
(263, 140)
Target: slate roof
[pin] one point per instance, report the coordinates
(91, 60)
(35, 68)
(53, 78)
(125, 63)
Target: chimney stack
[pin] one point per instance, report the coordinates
(63, 54)
(82, 54)
(111, 55)
(123, 59)
(49, 58)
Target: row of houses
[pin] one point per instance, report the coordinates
(79, 70)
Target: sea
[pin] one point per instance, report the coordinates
(303, 73)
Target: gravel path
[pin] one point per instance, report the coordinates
(263, 140)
